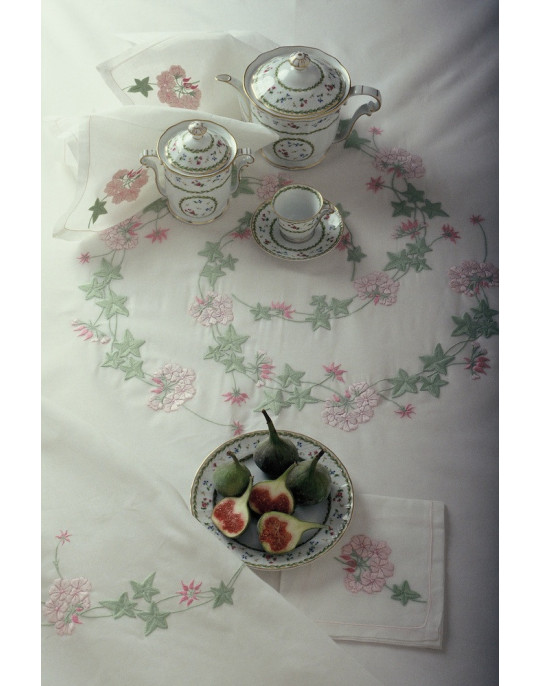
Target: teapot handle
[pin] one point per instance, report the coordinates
(367, 108)
(243, 158)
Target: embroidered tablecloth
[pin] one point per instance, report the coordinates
(164, 339)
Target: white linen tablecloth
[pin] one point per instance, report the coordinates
(122, 306)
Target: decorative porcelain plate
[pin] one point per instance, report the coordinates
(335, 512)
(265, 230)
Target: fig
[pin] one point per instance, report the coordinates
(231, 478)
(280, 532)
(309, 481)
(272, 495)
(231, 515)
(275, 454)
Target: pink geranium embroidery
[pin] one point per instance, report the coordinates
(122, 236)
(64, 537)
(477, 363)
(177, 90)
(471, 276)
(375, 130)
(89, 332)
(378, 287)
(409, 229)
(400, 162)
(406, 411)
(238, 429)
(173, 386)
(126, 185)
(189, 592)
(263, 368)
(270, 184)
(476, 219)
(84, 257)
(366, 564)
(158, 235)
(285, 310)
(375, 185)
(345, 242)
(213, 309)
(335, 371)
(450, 233)
(236, 397)
(355, 407)
(68, 598)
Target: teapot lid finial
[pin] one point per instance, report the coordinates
(197, 129)
(300, 60)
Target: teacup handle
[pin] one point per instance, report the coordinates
(367, 108)
(327, 208)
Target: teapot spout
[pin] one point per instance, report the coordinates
(242, 99)
(148, 158)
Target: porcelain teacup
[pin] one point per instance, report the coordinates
(299, 208)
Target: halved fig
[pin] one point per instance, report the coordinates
(231, 515)
(279, 532)
(272, 495)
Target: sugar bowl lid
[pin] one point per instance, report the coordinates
(297, 82)
(196, 148)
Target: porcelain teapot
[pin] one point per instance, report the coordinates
(297, 92)
(194, 166)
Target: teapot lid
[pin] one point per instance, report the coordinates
(296, 81)
(196, 148)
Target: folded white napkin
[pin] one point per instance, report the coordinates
(112, 184)
(179, 69)
(384, 581)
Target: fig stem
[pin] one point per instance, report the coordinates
(273, 433)
(314, 461)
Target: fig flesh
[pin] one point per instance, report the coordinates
(275, 454)
(280, 532)
(272, 495)
(231, 478)
(231, 515)
(309, 481)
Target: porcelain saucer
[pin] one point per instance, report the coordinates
(265, 230)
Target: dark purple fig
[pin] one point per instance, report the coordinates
(279, 532)
(231, 478)
(275, 454)
(309, 481)
(231, 515)
(272, 495)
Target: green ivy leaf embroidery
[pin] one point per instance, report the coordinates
(141, 86)
(234, 364)
(156, 206)
(222, 595)
(400, 261)
(319, 319)
(212, 251)
(401, 209)
(290, 376)
(261, 312)
(354, 140)
(433, 209)
(212, 272)
(433, 385)
(113, 304)
(122, 606)
(132, 368)
(301, 398)
(355, 254)
(113, 360)
(145, 590)
(274, 402)
(97, 209)
(404, 593)
(130, 345)
(93, 290)
(231, 340)
(403, 383)
(154, 619)
(108, 272)
(413, 195)
(340, 307)
(438, 362)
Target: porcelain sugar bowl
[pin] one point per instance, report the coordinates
(197, 167)
(298, 92)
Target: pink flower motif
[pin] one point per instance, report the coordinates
(177, 90)
(89, 332)
(158, 235)
(239, 429)
(375, 130)
(122, 236)
(408, 229)
(378, 287)
(477, 219)
(84, 257)
(400, 162)
(174, 385)
(126, 185)
(471, 276)
(189, 592)
(366, 564)
(270, 184)
(406, 411)
(235, 397)
(353, 408)
(263, 368)
(345, 241)
(335, 371)
(64, 537)
(450, 233)
(478, 362)
(286, 310)
(68, 598)
(213, 309)
(375, 185)
(242, 234)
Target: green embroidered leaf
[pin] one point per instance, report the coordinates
(344, 214)
(154, 619)
(223, 594)
(113, 304)
(300, 398)
(97, 209)
(141, 86)
(400, 261)
(130, 345)
(401, 209)
(229, 262)
(438, 362)
(121, 607)
(433, 385)
(243, 187)
(274, 402)
(145, 590)
(403, 383)
(215, 353)
(212, 251)
(319, 319)
(466, 327)
(355, 254)
(132, 368)
(108, 272)
(261, 312)
(483, 316)
(290, 376)
(404, 593)
(212, 272)
(340, 307)
(234, 364)
(113, 360)
(433, 209)
(319, 301)
(419, 248)
(354, 140)
(231, 340)
(93, 290)
(156, 206)
(413, 195)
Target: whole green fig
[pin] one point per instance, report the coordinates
(309, 481)
(231, 478)
(275, 454)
